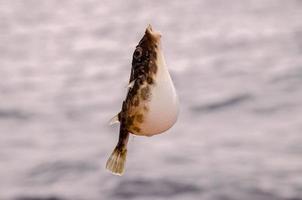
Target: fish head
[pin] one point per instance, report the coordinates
(148, 45)
(152, 34)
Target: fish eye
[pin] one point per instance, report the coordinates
(138, 52)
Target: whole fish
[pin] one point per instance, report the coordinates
(151, 106)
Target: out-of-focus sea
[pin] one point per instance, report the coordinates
(237, 67)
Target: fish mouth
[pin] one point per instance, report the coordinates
(155, 35)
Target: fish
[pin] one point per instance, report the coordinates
(151, 106)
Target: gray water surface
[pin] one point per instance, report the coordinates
(237, 67)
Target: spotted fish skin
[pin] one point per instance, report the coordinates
(151, 104)
(143, 73)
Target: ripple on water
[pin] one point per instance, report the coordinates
(48, 173)
(38, 198)
(153, 188)
(224, 103)
(14, 114)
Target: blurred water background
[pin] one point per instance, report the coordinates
(237, 67)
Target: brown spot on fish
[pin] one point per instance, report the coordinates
(153, 68)
(154, 55)
(146, 108)
(130, 120)
(135, 101)
(145, 93)
(150, 80)
(136, 129)
(139, 81)
(140, 118)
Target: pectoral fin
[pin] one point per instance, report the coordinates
(114, 120)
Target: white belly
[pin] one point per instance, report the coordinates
(163, 105)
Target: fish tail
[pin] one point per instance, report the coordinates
(117, 160)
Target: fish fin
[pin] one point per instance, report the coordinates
(114, 119)
(117, 160)
(131, 84)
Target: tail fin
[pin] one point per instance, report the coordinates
(117, 160)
